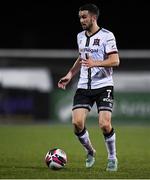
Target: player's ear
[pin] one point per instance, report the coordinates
(94, 17)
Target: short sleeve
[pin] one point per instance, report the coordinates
(110, 44)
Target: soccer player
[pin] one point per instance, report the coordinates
(98, 54)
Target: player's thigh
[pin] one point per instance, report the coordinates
(79, 115)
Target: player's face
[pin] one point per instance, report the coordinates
(86, 19)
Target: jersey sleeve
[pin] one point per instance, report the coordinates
(110, 46)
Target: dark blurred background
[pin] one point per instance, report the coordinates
(54, 24)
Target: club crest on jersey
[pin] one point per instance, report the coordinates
(96, 42)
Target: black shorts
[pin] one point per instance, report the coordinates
(85, 98)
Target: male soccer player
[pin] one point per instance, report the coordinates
(98, 54)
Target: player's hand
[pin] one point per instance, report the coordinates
(89, 62)
(63, 82)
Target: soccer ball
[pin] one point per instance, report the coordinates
(56, 159)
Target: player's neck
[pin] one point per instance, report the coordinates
(92, 30)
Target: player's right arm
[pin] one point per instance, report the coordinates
(71, 73)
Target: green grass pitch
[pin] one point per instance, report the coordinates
(23, 148)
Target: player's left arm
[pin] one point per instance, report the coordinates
(111, 61)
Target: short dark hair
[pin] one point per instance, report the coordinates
(92, 8)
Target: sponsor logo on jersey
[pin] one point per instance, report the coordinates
(87, 49)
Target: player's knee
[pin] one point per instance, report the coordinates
(78, 125)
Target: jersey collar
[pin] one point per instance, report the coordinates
(92, 34)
